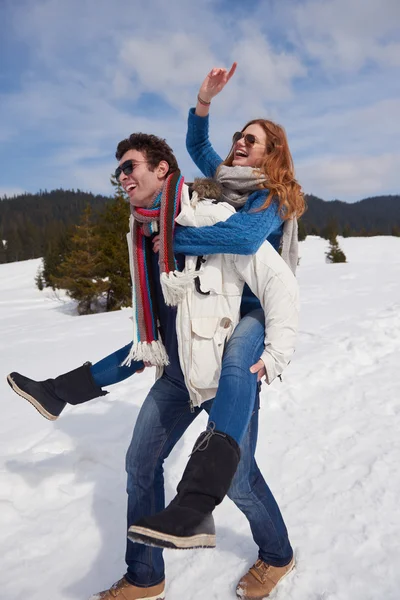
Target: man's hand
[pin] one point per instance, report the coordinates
(146, 364)
(259, 368)
(156, 243)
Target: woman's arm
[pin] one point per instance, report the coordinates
(198, 145)
(197, 142)
(242, 233)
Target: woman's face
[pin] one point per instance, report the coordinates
(247, 155)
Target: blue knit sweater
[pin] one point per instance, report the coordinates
(243, 232)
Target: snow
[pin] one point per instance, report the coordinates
(328, 445)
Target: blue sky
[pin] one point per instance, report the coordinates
(78, 76)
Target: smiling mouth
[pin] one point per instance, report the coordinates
(130, 187)
(241, 154)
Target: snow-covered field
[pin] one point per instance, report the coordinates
(328, 445)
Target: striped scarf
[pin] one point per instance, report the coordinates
(159, 218)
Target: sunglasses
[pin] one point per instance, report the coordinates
(126, 168)
(249, 138)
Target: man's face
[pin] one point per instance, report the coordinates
(142, 184)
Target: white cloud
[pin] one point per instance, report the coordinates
(349, 176)
(343, 35)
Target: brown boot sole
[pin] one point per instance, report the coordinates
(30, 399)
(142, 535)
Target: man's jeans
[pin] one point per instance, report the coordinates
(163, 418)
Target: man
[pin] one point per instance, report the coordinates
(148, 172)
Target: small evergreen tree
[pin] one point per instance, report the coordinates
(114, 262)
(39, 281)
(335, 254)
(80, 273)
(57, 248)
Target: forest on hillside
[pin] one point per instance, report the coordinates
(32, 224)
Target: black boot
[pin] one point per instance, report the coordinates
(49, 397)
(188, 522)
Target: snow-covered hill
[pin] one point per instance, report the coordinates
(328, 445)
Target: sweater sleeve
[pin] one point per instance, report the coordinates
(198, 145)
(242, 233)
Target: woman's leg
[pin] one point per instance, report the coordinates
(85, 383)
(233, 404)
(109, 371)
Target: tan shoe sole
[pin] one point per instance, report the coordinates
(30, 399)
(159, 596)
(142, 535)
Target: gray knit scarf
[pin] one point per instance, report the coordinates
(237, 183)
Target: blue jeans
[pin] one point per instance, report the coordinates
(233, 404)
(164, 417)
(109, 371)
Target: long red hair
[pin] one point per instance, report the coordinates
(277, 167)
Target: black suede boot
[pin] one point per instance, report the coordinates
(49, 397)
(188, 522)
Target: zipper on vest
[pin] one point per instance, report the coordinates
(191, 405)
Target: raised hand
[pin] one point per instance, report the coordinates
(215, 82)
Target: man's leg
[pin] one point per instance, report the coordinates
(254, 498)
(163, 418)
(252, 495)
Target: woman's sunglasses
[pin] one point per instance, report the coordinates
(249, 138)
(127, 168)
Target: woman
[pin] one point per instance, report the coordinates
(261, 184)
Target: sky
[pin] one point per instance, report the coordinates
(76, 77)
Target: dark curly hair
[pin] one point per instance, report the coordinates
(155, 150)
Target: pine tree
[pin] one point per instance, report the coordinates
(58, 246)
(114, 263)
(39, 280)
(80, 272)
(335, 254)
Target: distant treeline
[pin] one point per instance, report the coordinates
(379, 215)
(32, 225)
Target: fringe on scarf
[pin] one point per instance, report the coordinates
(174, 285)
(150, 352)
